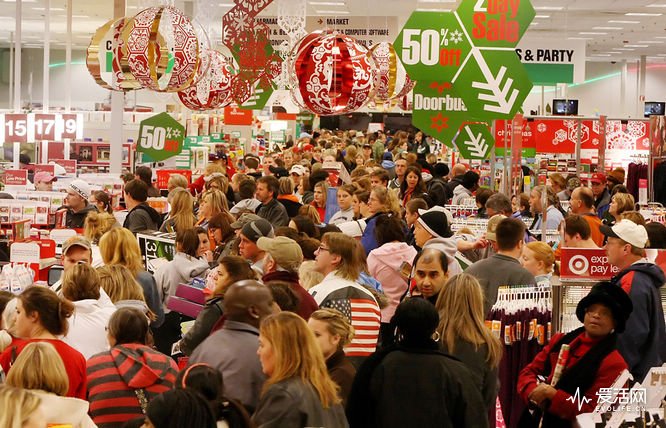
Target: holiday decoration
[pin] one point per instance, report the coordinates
(249, 42)
(101, 58)
(333, 73)
(391, 80)
(167, 65)
(211, 88)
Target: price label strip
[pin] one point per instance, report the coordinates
(33, 127)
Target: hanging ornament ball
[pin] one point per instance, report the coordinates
(160, 49)
(391, 79)
(333, 73)
(103, 67)
(211, 88)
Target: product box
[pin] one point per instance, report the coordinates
(191, 293)
(184, 307)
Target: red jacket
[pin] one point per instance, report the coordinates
(113, 377)
(75, 363)
(562, 404)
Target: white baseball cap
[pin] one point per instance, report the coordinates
(449, 216)
(628, 231)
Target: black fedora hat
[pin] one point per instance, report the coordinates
(611, 296)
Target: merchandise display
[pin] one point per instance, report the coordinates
(290, 213)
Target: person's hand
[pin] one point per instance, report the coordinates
(208, 256)
(481, 243)
(542, 393)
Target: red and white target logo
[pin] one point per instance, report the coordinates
(579, 265)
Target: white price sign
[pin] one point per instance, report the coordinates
(32, 127)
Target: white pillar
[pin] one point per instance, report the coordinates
(623, 89)
(68, 59)
(641, 87)
(117, 110)
(47, 55)
(17, 57)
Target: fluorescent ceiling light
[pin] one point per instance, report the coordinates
(636, 46)
(53, 9)
(542, 16)
(420, 9)
(642, 14)
(656, 5)
(600, 54)
(549, 8)
(624, 49)
(592, 33)
(24, 1)
(328, 3)
(334, 12)
(534, 23)
(580, 38)
(606, 28)
(650, 41)
(225, 4)
(613, 21)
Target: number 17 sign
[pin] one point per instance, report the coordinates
(32, 127)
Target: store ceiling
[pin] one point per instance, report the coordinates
(610, 33)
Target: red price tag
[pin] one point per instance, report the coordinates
(16, 177)
(45, 125)
(16, 128)
(171, 145)
(45, 168)
(68, 164)
(70, 125)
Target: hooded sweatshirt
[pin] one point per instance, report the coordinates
(449, 247)
(76, 220)
(64, 410)
(643, 343)
(87, 325)
(115, 376)
(142, 217)
(384, 264)
(181, 270)
(460, 193)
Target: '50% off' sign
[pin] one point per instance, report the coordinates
(160, 137)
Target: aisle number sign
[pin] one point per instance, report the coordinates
(160, 137)
(32, 127)
(471, 49)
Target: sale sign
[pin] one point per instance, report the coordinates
(236, 116)
(586, 264)
(16, 177)
(160, 137)
(561, 135)
(32, 127)
(68, 164)
(45, 168)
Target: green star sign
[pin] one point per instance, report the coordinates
(432, 46)
(496, 84)
(495, 23)
(160, 137)
(474, 141)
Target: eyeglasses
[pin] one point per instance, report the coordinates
(322, 248)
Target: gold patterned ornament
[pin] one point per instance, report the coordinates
(102, 58)
(391, 80)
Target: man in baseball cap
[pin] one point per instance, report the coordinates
(283, 258)
(44, 181)
(75, 250)
(249, 235)
(76, 202)
(644, 344)
(602, 198)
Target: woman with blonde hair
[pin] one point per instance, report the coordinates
(310, 212)
(463, 334)
(120, 247)
(620, 203)
(97, 224)
(123, 290)
(176, 181)
(319, 201)
(382, 202)
(299, 391)
(538, 258)
(181, 215)
(213, 202)
(333, 332)
(197, 186)
(40, 369)
(20, 409)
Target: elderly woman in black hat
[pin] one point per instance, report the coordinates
(593, 361)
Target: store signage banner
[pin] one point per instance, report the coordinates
(503, 134)
(160, 137)
(552, 61)
(466, 69)
(368, 30)
(32, 127)
(68, 164)
(163, 176)
(45, 168)
(586, 263)
(16, 177)
(235, 116)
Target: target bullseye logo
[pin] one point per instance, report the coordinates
(579, 265)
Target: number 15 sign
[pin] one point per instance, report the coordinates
(31, 127)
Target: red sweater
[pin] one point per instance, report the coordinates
(113, 377)
(610, 369)
(75, 363)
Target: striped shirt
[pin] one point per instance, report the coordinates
(358, 305)
(114, 377)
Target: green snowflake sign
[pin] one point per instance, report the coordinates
(474, 140)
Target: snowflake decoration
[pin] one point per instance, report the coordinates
(456, 37)
(542, 127)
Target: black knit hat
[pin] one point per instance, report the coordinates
(470, 179)
(257, 229)
(611, 296)
(436, 223)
